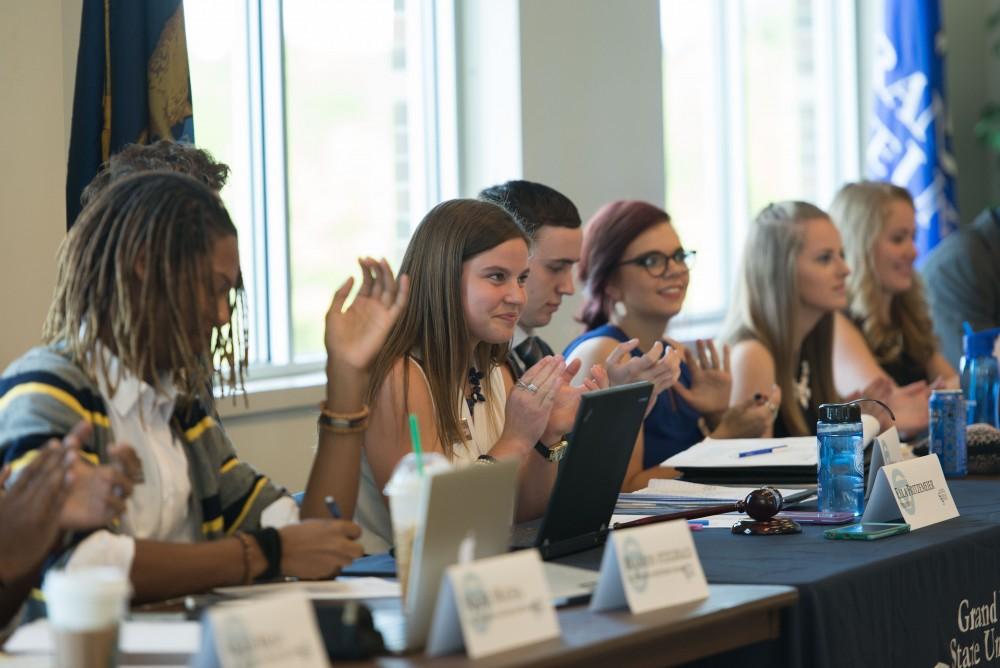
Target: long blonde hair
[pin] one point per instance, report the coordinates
(433, 327)
(767, 306)
(860, 211)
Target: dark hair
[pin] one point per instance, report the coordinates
(432, 326)
(164, 155)
(168, 222)
(533, 205)
(605, 237)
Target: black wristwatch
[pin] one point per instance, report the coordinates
(553, 452)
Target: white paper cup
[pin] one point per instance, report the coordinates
(85, 607)
(404, 489)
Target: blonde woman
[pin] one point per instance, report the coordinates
(886, 330)
(793, 280)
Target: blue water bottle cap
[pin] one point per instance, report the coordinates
(979, 344)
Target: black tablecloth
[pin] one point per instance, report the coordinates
(911, 600)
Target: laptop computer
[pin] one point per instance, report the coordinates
(590, 474)
(468, 510)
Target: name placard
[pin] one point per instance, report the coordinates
(914, 490)
(493, 605)
(278, 630)
(648, 568)
(885, 450)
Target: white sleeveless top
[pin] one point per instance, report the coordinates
(372, 513)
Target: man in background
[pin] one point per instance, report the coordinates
(962, 278)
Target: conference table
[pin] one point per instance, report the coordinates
(732, 617)
(915, 599)
(926, 598)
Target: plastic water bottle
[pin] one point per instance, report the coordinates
(841, 459)
(981, 378)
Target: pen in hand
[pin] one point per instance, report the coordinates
(332, 506)
(762, 451)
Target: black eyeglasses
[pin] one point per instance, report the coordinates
(657, 263)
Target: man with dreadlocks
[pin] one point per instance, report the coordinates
(148, 297)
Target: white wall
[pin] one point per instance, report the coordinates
(34, 118)
(588, 117)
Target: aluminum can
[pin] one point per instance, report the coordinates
(946, 435)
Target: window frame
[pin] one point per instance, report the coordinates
(433, 163)
(837, 110)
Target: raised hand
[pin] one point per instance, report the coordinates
(314, 549)
(29, 510)
(355, 335)
(711, 379)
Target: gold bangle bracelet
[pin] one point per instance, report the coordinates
(363, 413)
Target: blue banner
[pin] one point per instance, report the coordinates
(910, 142)
(132, 85)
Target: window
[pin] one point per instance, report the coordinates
(760, 105)
(329, 114)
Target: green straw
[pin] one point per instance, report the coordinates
(415, 439)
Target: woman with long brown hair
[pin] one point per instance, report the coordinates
(445, 362)
(792, 281)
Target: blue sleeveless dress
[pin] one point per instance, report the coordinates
(672, 425)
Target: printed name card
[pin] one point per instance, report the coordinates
(650, 567)
(493, 605)
(277, 630)
(914, 490)
(885, 450)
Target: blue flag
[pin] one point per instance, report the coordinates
(132, 85)
(910, 143)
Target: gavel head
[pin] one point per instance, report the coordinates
(762, 504)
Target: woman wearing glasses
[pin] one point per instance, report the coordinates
(636, 274)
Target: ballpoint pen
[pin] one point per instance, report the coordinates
(762, 451)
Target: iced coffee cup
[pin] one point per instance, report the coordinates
(85, 608)
(403, 490)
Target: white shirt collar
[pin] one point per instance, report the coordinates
(132, 391)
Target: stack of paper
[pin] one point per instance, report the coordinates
(763, 460)
(664, 495)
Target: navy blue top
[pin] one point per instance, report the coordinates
(672, 425)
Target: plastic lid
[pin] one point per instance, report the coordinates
(979, 344)
(839, 413)
(406, 478)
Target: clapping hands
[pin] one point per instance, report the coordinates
(57, 491)
(662, 370)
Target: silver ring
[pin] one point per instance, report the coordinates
(530, 387)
